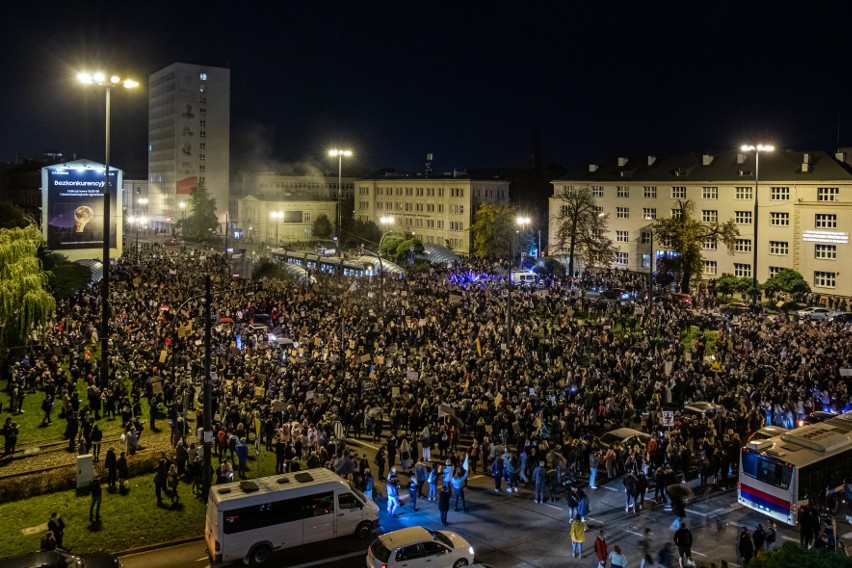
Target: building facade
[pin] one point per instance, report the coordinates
(804, 211)
(188, 138)
(437, 210)
(281, 221)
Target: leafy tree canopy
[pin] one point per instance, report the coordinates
(322, 227)
(12, 216)
(25, 302)
(493, 228)
(791, 554)
(201, 222)
(66, 278)
(789, 281)
(685, 235)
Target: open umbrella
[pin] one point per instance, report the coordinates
(284, 341)
(376, 412)
(557, 459)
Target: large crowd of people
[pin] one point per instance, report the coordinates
(428, 368)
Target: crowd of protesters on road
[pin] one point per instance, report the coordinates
(428, 371)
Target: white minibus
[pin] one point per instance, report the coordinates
(249, 520)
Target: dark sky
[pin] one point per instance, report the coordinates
(468, 81)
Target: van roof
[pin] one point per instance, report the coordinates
(263, 485)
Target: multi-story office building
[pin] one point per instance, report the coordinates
(438, 210)
(280, 185)
(804, 210)
(188, 137)
(287, 220)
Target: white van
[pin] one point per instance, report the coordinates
(524, 278)
(248, 520)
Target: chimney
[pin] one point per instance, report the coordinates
(622, 162)
(806, 163)
(651, 160)
(741, 158)
(707, 159)
(593, 168)
(840, 156)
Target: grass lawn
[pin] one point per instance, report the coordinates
(127, 521)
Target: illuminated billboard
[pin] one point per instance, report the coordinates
(73, 205)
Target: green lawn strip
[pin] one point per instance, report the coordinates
(128, 521)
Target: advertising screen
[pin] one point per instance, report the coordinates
(75, 208)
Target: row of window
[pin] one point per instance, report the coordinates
(776, 219)
(780, 193)
(416, 207)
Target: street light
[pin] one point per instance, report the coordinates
(757, 150)
(138, 221)
(277, 215)
(182, 206)
(381, 277)
(100, 79)
(651, 265)
(339, 154)
(523, 222)
(384, 222)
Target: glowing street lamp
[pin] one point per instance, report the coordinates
(277, 216)
(757, 150)
(339, 154)
(108, 84)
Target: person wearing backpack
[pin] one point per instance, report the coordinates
(770, 536)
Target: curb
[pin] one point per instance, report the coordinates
(157, 546)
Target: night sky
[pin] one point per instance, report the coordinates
(469, 81)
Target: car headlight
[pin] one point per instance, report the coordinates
(470, 549)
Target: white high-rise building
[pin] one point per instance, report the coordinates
(188, 137)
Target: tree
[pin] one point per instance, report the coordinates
(66, 278)
(13, 216)
(397, 247)
(322, 227)
(25, 302)
(493, 228)
(581, 229)
(788, 281)
(201, 221)
(685, 235)
(357, 232)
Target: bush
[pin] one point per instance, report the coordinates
(791, 554)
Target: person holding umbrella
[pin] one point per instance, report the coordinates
(678, 493)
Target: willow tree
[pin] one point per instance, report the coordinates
(685, 235)
(581, 229)
(25, 303)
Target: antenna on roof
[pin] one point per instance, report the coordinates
(428, 167)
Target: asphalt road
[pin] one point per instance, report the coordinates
(510, 530)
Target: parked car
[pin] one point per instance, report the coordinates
(813, 313)
(624, 436)
(60, 559)
(419, 546)
(172, 242)
(735, 308)
(618, 296)
(767, 432)
(816, 417)
(701, 409)
(840, 317)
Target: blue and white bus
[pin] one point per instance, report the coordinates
(779, 475)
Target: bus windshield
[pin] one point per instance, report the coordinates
(767, 470)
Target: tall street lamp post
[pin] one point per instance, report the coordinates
(651, 264)
(339, 154)
(523, 223)
(757, 150)
(385, 221)
(108, 83)
(276, 216)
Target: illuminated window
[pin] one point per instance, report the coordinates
(649, 213)
(710, 267)
(677, 213)
(597, 191)
(202, 76)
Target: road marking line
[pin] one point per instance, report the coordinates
(847, 535)
(202, 558)
(737, 524)
(553, 506)
(608, 488)
(698, 553)
(634, 533)
(328, 560)
(476, 476)
(790, 538)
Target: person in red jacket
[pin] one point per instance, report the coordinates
(600, 548)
